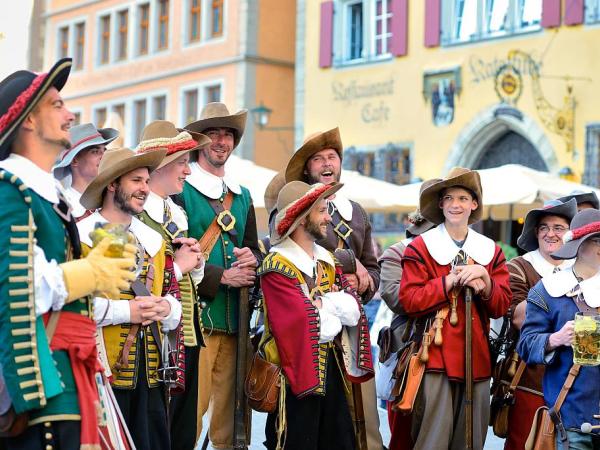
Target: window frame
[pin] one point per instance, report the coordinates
(119, 35)
(159, 19)
(387, 35)
(102, 38)
(201, 88)
(592, 12)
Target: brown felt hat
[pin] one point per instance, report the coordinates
(115, 163)
(216, 115)
(163, 135)
(458, 177)
(312, 144)
(272, 191)
(294, 203)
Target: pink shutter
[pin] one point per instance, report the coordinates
(326, 44)
(399, 43)
(432, 23)
(573, 12)
(550, 13)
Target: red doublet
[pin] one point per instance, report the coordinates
(423, 292)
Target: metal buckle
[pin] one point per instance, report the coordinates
(343, 233)
(226, 226)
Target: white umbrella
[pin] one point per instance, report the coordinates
(252, 176)
(509, 191)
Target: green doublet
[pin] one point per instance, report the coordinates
(39, 380)
(221, 313)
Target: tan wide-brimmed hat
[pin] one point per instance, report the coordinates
(429, 200)
(272, 191)
(163, 135)
(216, 115)
(294, 203)
(114, 163)
(312, 144)
(418, 223)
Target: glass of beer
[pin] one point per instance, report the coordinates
(586, 344)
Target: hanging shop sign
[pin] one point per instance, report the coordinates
(440, 89)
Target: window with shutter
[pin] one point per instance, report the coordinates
(573, 12)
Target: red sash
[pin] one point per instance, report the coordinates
(75, 334)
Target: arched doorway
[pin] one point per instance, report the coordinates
(510, 148)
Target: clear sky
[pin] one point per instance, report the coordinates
(14, 31)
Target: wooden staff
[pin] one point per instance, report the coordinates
(240, 441)
(468, 368)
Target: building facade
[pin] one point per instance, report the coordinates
(164, 59)
(418, 87)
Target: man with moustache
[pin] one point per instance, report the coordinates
(319, 159)
(184, 263)
(221, 217)
(78, 165)
(307, 303)
(131, 325)
(542, 235)
(48, 357)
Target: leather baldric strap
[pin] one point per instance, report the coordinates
(219, 224)
(123, 359)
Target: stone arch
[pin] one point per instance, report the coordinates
(488, 127)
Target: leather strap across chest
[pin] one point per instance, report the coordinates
(224, 221)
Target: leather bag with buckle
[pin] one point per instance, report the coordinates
(263, 384)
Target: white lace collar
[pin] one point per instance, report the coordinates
(150, 239)
(155, 205)
(38, 180)
(443, 250)
(343, 205)
(542, 266)
(297, 256)
(209, 184)
(564, 283)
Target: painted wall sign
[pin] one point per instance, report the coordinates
(481, 70)
(370, 98)
(440, 88)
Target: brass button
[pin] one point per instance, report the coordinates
(47, 424)
(226, 242)
(228, 256)
(49, 447)
(48, 436)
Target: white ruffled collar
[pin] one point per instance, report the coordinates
(343, 206)
(73, 197)
(542, 266)
(155, 205)
(38, 180)
(209, 184)
(297, 256)
(443, 250)
(150, 239)
(565, 283)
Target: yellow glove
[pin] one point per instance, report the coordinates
(97, 273)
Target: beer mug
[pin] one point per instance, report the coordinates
(119, 237)
(586, 344)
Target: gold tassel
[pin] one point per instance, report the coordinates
(424, 357)
(281, 415)
(453, 313)
(438, 324)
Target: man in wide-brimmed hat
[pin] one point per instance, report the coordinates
(391, 275)
(542, 235)
(184, 262)
(437, 267)
(221, 216)
(548, 336)
(49, 374)
(78, 165)
(584, 200)
(319, 159)
(132, 323)
(308, 302)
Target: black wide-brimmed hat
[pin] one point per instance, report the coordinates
(20, 92)
(585, 225)
(528, 240)
(582, 197)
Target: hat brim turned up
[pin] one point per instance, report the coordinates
(320, 141)
(20, 92)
